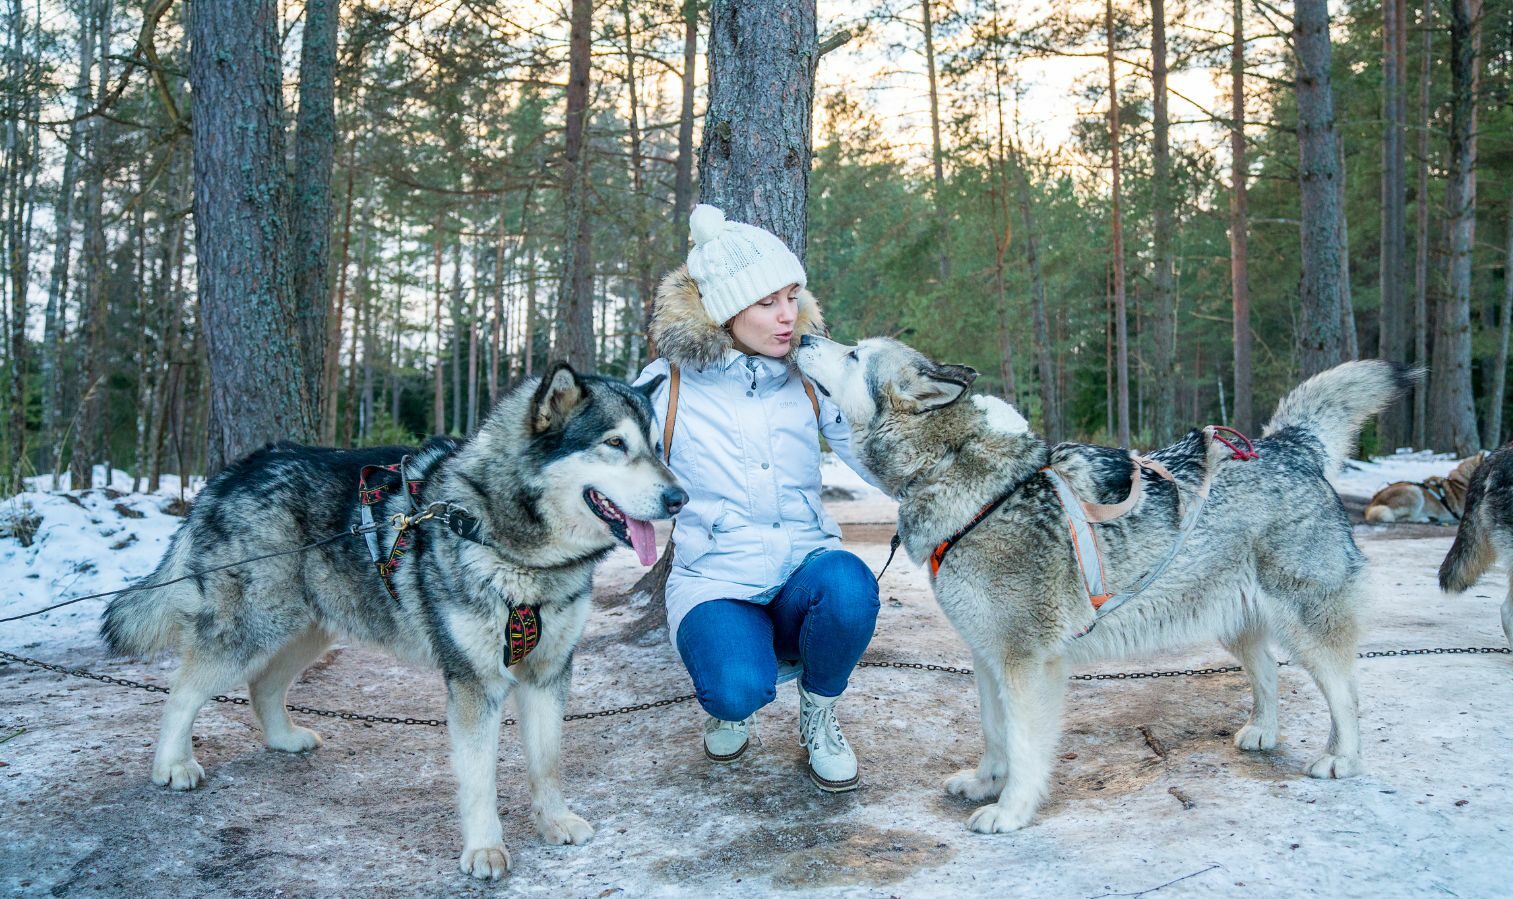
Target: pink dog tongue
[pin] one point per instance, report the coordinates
(642, 539)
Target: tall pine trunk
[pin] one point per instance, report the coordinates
(1320, 338)
(314, 154)
(937, 156)
(755, 156)
(1500, 367)
(257, 378)
(1116, 224)
(1239, 227)
(1164, 326)
(575, 308)
(1454, 417)
(1421, 234)
(1396, 321)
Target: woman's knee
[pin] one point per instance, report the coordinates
(735, 695)
(848, 589)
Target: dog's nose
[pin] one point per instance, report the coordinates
(807, 340)
(674, 498)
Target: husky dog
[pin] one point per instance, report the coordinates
(560, 471)
(1436, 500)
(1270, 558)
(1486, 531)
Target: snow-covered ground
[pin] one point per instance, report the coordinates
(372, 812)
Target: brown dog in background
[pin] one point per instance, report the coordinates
(1435, 500)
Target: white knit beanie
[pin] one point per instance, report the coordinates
(736, 264)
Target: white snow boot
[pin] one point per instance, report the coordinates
(726, 741)
(832, 764)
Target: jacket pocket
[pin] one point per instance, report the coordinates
(820, 516)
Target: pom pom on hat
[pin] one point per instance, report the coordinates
(705, 223)
(736, 264)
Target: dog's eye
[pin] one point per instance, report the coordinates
(851, 355)
(616, 442)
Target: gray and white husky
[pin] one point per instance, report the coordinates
(562, 469)
(1486, 531)
(1271, 557)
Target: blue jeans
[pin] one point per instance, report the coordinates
(823, 617)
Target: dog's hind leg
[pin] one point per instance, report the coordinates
(1031, 695)
(987, 779)
(541, 706)
(201, 676)
(269, 688)
(1326, 647)
(1250, 647)
(473, 712)
(1507, 614)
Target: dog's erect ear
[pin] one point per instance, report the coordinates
(559, 393)
(941, 385)
(649, 389)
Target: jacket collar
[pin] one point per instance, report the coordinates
(689, 338)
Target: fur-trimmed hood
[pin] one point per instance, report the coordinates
(689, 338)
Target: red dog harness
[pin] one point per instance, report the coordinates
(523, 629)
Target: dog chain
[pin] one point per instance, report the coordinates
(675, 700)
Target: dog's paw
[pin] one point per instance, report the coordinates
(1338, 767)
(1254, 738)
(997, 819)
(181, 775)
(973, 784)
(485, 862)
(298, 739)
(563, 828)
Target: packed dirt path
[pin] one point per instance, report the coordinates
(1147, 790)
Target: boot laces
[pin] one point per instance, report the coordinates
(823, 730)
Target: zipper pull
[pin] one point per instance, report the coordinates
(751, 367)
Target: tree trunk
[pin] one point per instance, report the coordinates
(1164, 327)
(438, 398)
(257, 376)
(459, 327)
(1320, 339)
(331, 363)
(1121, 320)
(1421, 235)
(1050, 425)
(21, 164)
(87, 418)
(1239, 227)
(1500, 367)
(755, 156)
(575, 308)
(1454, 422)
(937, 157)
(642, 265)
(1350, 349)
(682, 202)
(314, 153)
(57, 287)
(1396, 324)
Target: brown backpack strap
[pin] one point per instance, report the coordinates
(673, 380)
(814, 401)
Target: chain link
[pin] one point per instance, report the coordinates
(687, 697)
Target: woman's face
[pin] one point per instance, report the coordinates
(765, 328)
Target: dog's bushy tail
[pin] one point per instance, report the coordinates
(143, 622)
(1332, 405)
(1472, 553)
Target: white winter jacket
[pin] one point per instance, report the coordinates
(746, 448)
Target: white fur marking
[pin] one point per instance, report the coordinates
(1001, 416)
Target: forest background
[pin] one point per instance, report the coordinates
(360, 222)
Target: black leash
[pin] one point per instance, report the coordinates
(354, 531)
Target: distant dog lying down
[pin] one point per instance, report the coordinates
(1486, 531)
(1269, 558)
(1434, 500)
